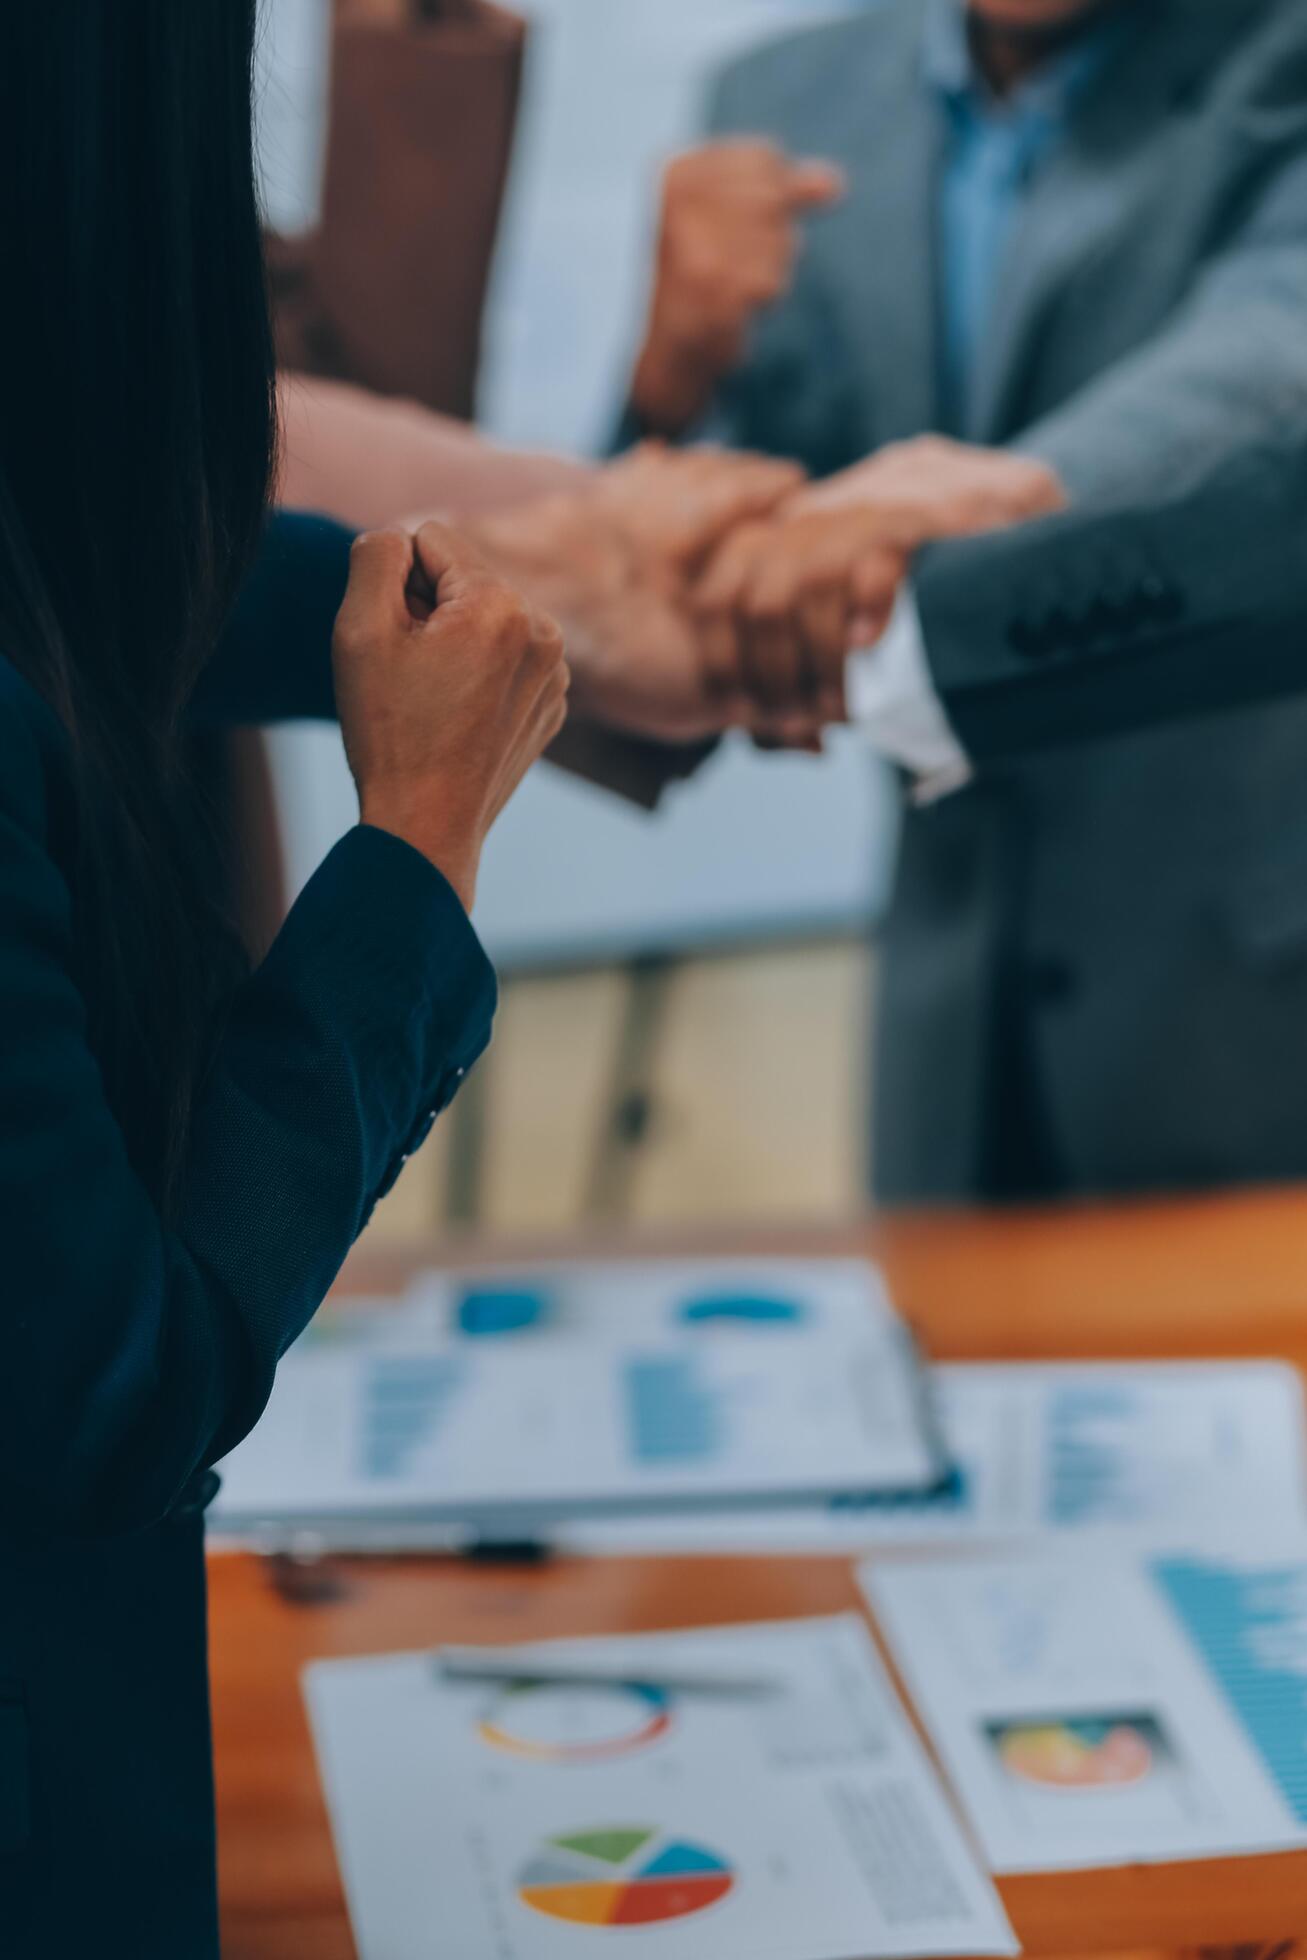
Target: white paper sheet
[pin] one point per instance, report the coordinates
(1063, 1447)
(507, 1402)
(533, 1822)
(1100, 1708)
(618, 1301)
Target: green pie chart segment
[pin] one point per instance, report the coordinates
(623, 1877)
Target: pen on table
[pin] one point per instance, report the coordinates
(507, 1664)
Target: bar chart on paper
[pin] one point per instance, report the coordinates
(505, 1403)
(1250, 1626)
(404, 1402)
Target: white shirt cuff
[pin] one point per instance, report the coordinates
(892, 701)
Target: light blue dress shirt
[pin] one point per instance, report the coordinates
(993, 147)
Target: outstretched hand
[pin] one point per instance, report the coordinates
(783, 603)
(932, 487)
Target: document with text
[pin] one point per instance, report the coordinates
(796, 1819)
(507, 1403)
(1135, 1448)
(1101, 1708)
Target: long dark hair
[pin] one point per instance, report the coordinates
(136, 442)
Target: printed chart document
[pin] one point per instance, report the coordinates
(529, 1820)
(1099, 1708)
(617, 1301)
(1131, 1448)
(504, 1404)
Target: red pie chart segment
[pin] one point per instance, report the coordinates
(648, 1900)
(622, 1878)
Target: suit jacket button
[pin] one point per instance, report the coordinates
(1162, 601)
(1102, 620)
(1051, 980)
(1028, 638)
(1060, 630)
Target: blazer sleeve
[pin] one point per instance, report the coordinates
(1097, 623)
(1230, 370)
(137, 1352)
(273, 662)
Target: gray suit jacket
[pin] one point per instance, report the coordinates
(1105, 937)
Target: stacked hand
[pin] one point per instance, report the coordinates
(617, 564)
(782, 603)
(697, 590)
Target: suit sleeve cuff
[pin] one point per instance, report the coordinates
(381, 937)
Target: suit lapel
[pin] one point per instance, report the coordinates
(874, 256)
(1083, 193)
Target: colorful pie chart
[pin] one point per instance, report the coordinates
(553, 1722)
(1077, 1755)
(623, 1877)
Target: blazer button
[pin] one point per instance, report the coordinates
(1027, 638)
(1103, 619)
(1059, 630)
(197, 1496)
(1161, 601)
(1083, 631)
(1031, 639)
(1051, 980)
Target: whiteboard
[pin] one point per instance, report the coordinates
(756, 846)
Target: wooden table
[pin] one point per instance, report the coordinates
(1220, 1278)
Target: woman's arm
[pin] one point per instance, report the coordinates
(136, 1352)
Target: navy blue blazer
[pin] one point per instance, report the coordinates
(133, 1355)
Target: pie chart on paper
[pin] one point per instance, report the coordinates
(623, 1877)
(555, 1723)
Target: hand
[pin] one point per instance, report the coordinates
(932, 488)
(727, 243)
(449, 686)
(614, 561)
(671, 507)
(782, 605)
(779, 608)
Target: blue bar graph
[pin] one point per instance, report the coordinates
(404, 1403)
(673, 1419)
(1250, 1627)
(1088, 1465)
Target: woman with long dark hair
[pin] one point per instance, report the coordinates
(187, 1150)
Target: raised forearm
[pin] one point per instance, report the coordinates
(369, 460)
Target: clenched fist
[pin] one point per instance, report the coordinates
(448, 685)
(727, 243)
